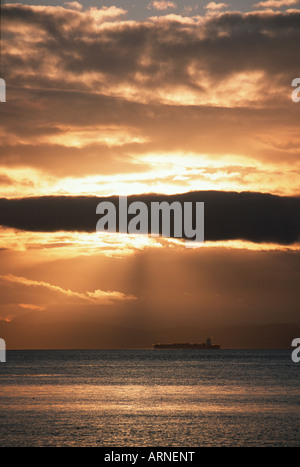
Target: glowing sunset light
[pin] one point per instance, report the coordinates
(153, 100)
(149, 226)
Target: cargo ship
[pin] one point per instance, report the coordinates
(206, 345)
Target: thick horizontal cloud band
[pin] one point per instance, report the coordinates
(255, 217)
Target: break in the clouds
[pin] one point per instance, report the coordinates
(101, 104)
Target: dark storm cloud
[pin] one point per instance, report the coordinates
(255, 217)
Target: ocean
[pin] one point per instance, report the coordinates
(149, 398)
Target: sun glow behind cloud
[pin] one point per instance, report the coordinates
(169, 174)
(96, 273)
(103, 104)
(47, 246)
(122, 120)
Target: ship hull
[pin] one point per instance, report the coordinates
(187, 346)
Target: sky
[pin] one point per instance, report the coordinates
(150, 100)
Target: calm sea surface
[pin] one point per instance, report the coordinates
(165, 398)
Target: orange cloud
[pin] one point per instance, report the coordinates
(275, 3)
(216, 6)
(170, 104)
(74, 5)
(29, 306)
(161, 4)
(96, 296)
